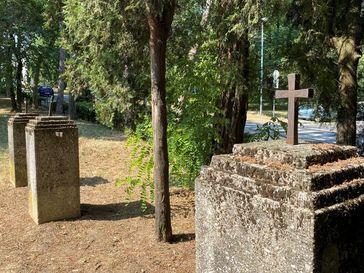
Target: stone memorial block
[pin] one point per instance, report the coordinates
(274, 208)
(17, 150)
(53, 169)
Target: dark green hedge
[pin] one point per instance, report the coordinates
(85, 111)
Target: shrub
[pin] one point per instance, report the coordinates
(268, 131)
(141, 165)
(85, 111)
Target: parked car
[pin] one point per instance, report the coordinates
(306, 112)
(45, 91)
(318, 113)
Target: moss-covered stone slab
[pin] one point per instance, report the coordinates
(272, 207)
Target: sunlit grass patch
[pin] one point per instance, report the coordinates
(266, 116)
(98, 131)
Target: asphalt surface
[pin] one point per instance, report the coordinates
(309, 131)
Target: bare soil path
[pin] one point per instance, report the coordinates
(111, 235)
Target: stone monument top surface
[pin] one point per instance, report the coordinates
(301, 205)
(50, 122)
(280, 170)
(22, 118)
(26, 114)
(300, 156)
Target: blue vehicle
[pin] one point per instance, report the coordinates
(318, 113)
(306, 112)
(45, 91)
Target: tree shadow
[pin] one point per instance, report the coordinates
(114, 212)
(93, 181)
(180, 238)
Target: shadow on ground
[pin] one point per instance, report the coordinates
(180, 238)
(114, 212)
(93, 181)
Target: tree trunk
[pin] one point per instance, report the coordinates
(347, 48)
(71, 107)
(235, 106)
(234, 100)
(348, 58)
(9, 80)
(7, 91)
(61, 83)
(36, 83)
(159, 26)
(19, 74)
(206, 12)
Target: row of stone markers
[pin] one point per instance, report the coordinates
(44, 157)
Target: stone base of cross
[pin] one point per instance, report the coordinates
(293, 93)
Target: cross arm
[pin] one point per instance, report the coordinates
(300, 93)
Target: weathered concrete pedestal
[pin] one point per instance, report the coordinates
(53, 169)
(276, 208)
(17, 150)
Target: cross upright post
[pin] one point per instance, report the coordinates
(292, 94)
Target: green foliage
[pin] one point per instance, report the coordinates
(186, 156)
(268, 131)
(141, 165)
(23, 35)
(192, 97)
(313, 51)
(85, 111)
(193, 82)
(107, 43)
(157, 7)
(191, 113)
(188, 149)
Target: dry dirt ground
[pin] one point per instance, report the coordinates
(110, 236)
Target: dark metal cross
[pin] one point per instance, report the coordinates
(292, 94)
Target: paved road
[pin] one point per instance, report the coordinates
(310, 131)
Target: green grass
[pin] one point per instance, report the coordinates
(97, 131)
(278, 114)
